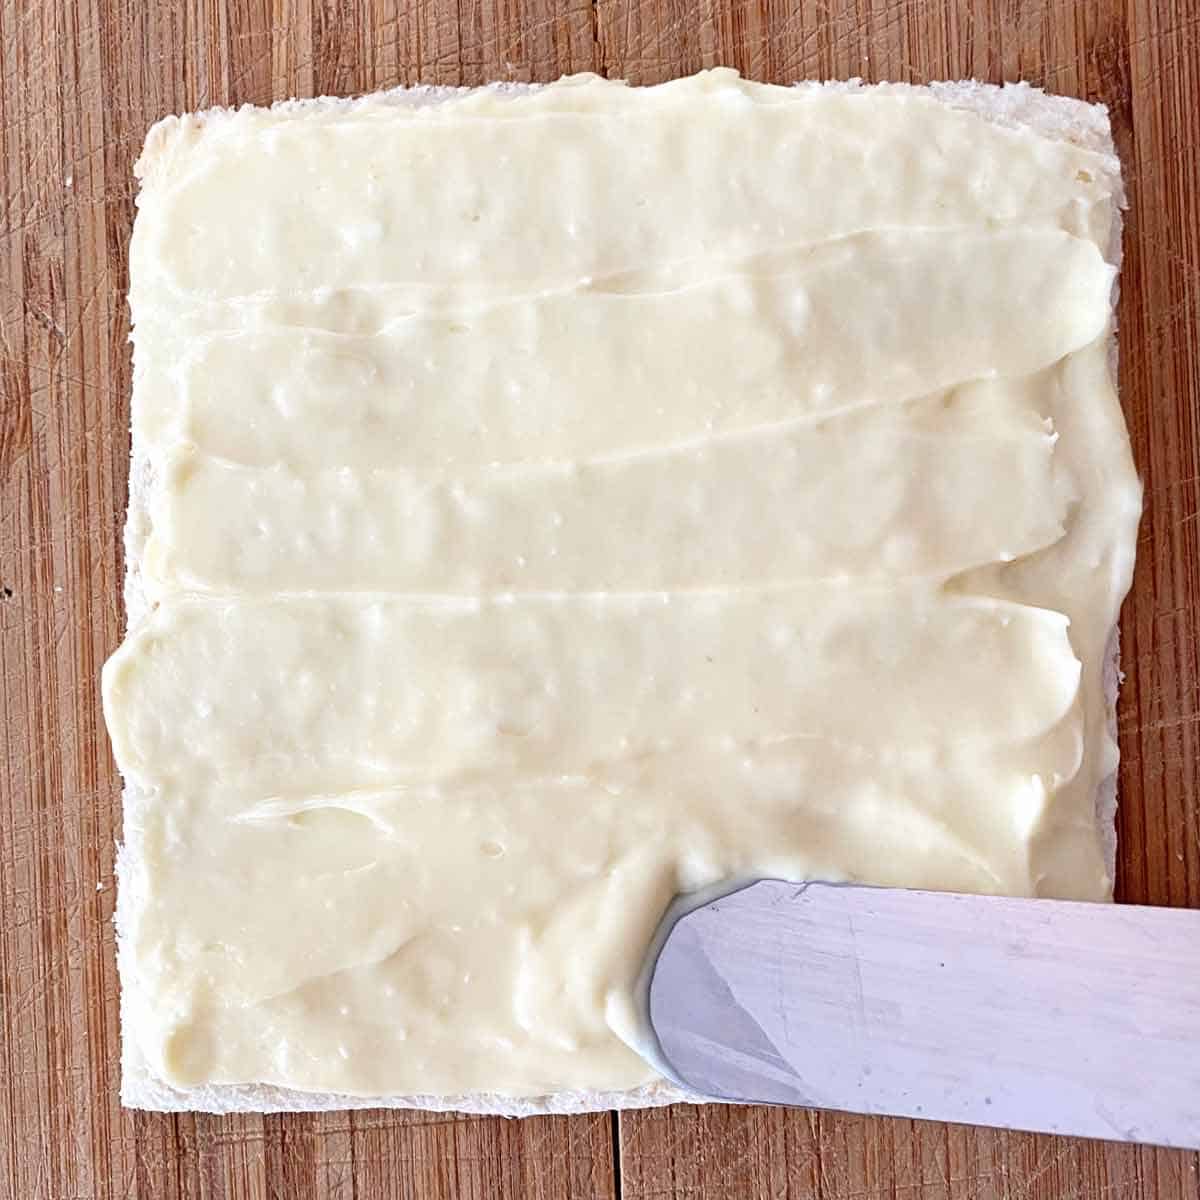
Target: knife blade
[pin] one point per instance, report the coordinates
(1044, 1015)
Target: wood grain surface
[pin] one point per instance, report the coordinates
(80, 81)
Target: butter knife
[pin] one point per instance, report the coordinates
(1045, 1015)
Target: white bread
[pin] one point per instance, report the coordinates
(1019, 105)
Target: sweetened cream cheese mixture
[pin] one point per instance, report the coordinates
(550, 502)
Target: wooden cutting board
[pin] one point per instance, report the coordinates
(80, 81)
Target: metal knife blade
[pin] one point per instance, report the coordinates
(1039, 1015)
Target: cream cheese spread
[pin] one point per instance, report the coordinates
(560, 500)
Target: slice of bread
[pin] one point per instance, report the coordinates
(1020, 105)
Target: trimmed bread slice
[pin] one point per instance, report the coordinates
(1020, 105)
